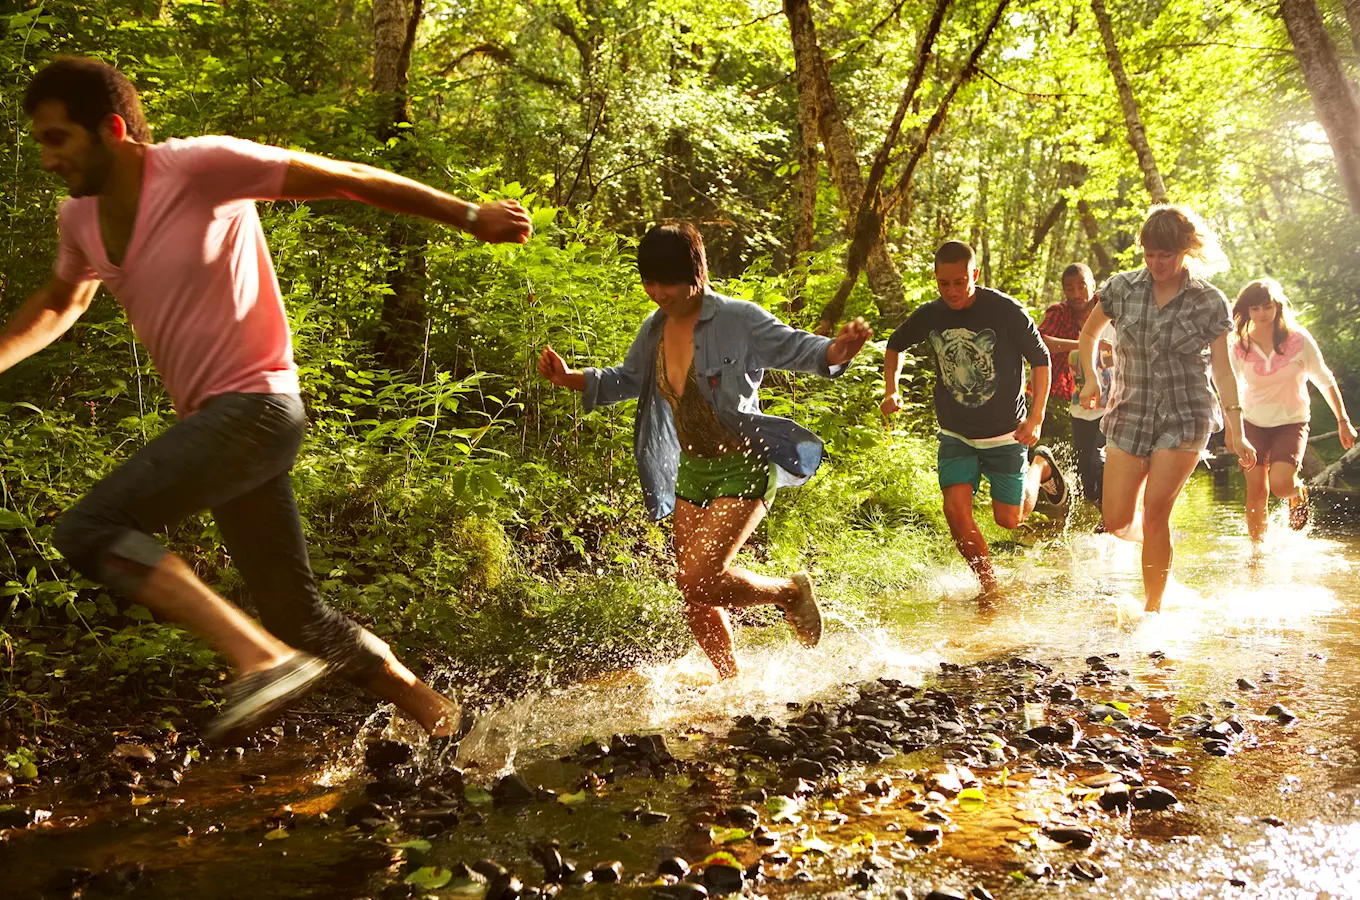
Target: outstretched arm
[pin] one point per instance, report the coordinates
(892, 373)
(1090, 335)
(1220, 368)
(43, 318)
(553, 367)
(1345, 431)
(311, 177)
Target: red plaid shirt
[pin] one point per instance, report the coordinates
(1061, 322)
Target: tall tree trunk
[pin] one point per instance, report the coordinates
(1333, 97)
(1352, 8)
(805, 213)
(403, 312)
(816, 92)
(1104, 260)
(1137, 135)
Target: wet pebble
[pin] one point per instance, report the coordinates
(1074, 836)
(135, 755)
(607, 872)
(981, 893)
(946, 893)
(1086, 870)
(512, 790)
(1274, 821)
(927, 834)
(1281, 714)
(382, 755)
(742, 816)
(1155, 798)
(1116, 797)
(722, 879)
(504, 887)
(651, 817)
(682, 891)
(805, 769)
(489, 869)
(1038, 870)
(549, 857)
(673, 865)
(1246, 684)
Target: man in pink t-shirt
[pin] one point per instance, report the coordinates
(171, 230)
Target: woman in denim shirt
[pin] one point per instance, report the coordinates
(704, 449)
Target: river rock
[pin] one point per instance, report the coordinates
(981, 893)
(1038, 870)
(381, 755)
(682, 891)
(504, 887)
(512, 790)
(742, 816)
(1074, 836)
(1115, 798)
(549, 857)
(652, 817)
(607, 872)
(773, 747)
(722, 879)
(946, 893)
(925, 834)
(1154, 797)
(673, 865)
(1062, 693)
(806, 769)
(134, 755)
(1086, 870)
(489, 869)
(1245, 684)
(1281, 714)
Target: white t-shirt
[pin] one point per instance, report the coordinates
(1274, 386)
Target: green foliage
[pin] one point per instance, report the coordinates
(457, 504)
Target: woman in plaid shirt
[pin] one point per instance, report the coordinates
(1171, 352)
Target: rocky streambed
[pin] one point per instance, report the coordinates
(1008, 777)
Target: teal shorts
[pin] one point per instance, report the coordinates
(1004, 466)
(740, 475)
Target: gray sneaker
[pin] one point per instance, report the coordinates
(803, 613)
(254, 700)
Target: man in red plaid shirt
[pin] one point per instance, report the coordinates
(1062, 326)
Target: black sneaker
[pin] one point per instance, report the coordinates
(1053, 489)
(256, 699)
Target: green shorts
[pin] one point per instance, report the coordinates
(1004, 466)
(740, 475)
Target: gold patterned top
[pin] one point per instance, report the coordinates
(702, 435)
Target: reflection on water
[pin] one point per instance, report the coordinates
(1286, 619)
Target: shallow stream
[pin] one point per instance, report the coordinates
(1277, 816)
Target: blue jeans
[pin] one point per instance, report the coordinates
(1089, 442)
(233, 457)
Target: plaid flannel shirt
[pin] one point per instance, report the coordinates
(1162, 396)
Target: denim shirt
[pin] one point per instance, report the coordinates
(735, 341)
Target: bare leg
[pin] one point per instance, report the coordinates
(174, 592)
(1011, 516)
(1167, 473)
(1122, 500)
(398, 685)
(1284, 480)
(1258, 495)
(706, 542)
(958, 512)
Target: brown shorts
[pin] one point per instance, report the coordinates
(1282, 443)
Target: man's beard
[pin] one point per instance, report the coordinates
(95, 174)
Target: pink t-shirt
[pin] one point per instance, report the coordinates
(197, 281)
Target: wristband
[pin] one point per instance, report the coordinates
(1237, 408)
(470, 214)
